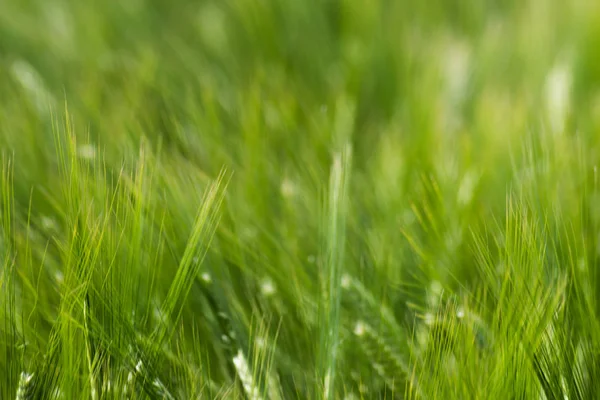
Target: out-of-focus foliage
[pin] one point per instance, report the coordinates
(277, 199)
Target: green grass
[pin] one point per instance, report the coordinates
(285, 199)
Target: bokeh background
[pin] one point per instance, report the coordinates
(472, 128)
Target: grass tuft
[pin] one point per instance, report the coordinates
(280, 199)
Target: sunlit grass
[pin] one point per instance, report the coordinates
(288, 199)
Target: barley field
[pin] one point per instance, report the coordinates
(299, 199)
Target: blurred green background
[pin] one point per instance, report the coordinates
(454, 111)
